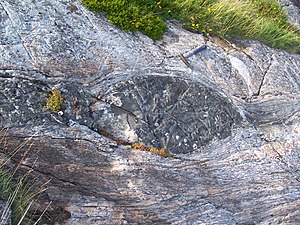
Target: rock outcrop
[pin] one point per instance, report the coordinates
(230, 121)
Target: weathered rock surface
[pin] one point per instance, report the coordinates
(231, 120)
(292, 8)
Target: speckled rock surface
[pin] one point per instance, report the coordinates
(230, 120)
(170, 112)
(292, 8)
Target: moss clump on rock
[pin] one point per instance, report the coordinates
(54, 101)
(162, 152)
(131, 15)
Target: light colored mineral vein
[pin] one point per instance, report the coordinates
(241, 67)
(16, 23)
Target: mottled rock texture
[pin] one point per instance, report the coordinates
(230, 121)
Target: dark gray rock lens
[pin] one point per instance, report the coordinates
(173, 113)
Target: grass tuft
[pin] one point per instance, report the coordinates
(262, 20)
(19, 193)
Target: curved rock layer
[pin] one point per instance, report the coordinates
(229, 117)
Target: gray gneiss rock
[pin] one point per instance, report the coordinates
(229, 118)
(21, 102)
(292, 8)
(171, 112)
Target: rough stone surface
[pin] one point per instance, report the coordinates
(231, 121)
(292, 8)
(170, 112)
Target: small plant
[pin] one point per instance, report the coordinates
(19, 192)
(131, 15)
(162, 152)
(19, 195)
(54, 101)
